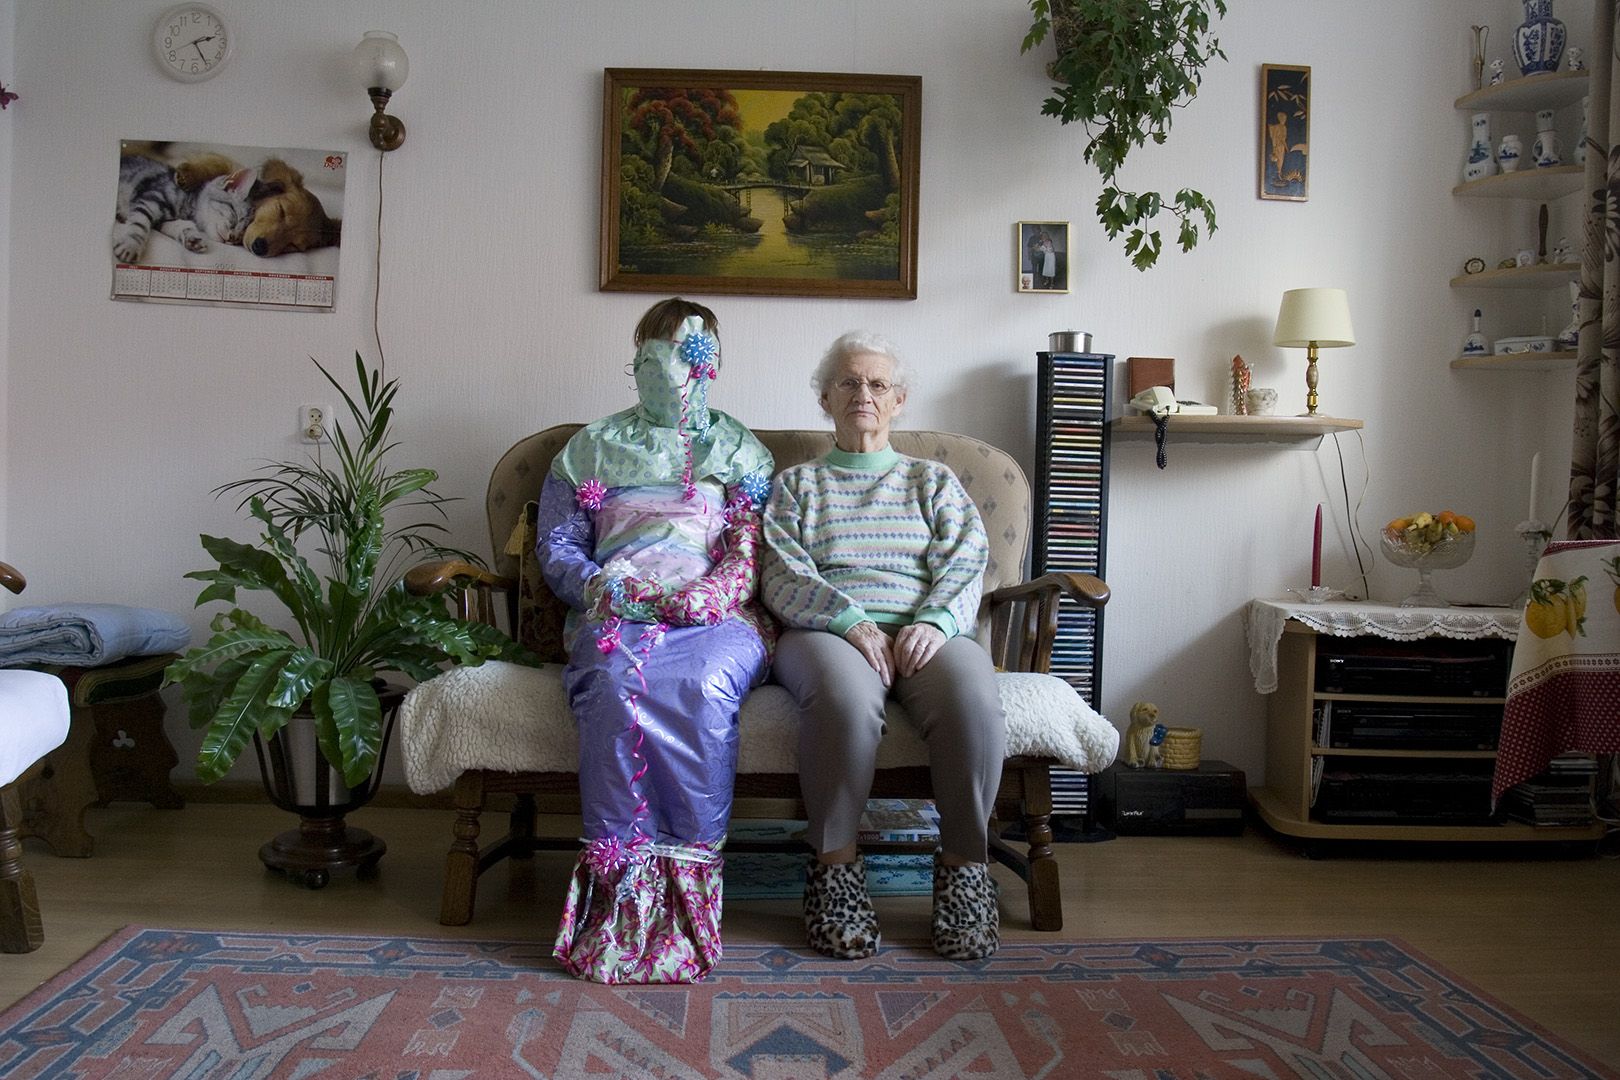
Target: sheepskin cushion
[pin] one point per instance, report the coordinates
(516, 719)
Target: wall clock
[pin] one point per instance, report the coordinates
(192, 42)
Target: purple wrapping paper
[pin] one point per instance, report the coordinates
(696, 678)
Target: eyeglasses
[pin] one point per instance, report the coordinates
(849, 387)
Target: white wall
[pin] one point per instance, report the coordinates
(121, 417)
(8, 18)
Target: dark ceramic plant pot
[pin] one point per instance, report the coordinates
(298, 779)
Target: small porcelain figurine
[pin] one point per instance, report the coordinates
(1474, 344)
(1562, 252)
(1575, 61)
(1144, 739)
(1509, 153)
(1498, 70)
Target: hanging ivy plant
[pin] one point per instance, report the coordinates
(1121, 66)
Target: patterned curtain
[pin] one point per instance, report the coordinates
(1594, 473)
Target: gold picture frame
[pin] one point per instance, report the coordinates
(1041, 256)
(760, 183)
(1285, 132)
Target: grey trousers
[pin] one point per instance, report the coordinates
(952, 700)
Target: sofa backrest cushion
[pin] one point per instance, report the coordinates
(992, 479)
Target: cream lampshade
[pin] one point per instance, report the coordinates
(1313, 319)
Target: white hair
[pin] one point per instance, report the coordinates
(853, 344)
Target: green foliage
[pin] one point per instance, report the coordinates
(839, 207)
(1122, 66)
(355, 620)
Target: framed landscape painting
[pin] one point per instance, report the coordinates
(760, 183)
(1285, 132)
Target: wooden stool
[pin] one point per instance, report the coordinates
(116, 750)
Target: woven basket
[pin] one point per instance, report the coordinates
(1182, 746)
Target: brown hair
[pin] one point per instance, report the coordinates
(665, 317)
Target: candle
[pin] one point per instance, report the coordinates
(1535, 482)
(1316, 550)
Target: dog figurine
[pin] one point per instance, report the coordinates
(286, 215)
(1144, 739)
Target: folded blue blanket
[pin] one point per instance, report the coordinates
(87, 635)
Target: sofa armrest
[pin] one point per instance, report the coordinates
(1023, 617)
(471, 587)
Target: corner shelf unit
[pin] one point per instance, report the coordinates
(1526, 182)
(1529, 94)
(1548, 90)
(1545, 361)
(1545, 276)
(1239, 429)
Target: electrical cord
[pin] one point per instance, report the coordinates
(376, 295)
(1356, 539)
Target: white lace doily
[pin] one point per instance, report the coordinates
(1265, 619)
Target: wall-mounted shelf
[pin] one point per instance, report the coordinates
(1239, 429)
(1548, 90)
(1526, 183)
(1540, 361)
(1540, 276)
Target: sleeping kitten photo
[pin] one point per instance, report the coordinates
(150, 197)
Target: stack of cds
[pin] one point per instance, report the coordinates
(1071, 498)
(1560, 796)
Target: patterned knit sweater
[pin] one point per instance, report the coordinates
(875, 536)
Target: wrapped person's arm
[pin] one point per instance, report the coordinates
(715, 596)
(566, 544)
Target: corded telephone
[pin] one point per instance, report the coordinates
(1161, 401)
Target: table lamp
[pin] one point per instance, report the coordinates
(1313, 319)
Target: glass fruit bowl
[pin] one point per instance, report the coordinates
(1446, 553)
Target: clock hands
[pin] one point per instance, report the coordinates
(197, 44)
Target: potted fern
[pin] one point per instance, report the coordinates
(1121, 67)
(313, 702)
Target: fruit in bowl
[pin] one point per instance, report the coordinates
(1425, 542)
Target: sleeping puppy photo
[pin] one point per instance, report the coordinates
(286, 215)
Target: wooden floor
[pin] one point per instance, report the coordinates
(1539, 932)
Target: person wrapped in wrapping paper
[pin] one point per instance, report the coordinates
(649, 524)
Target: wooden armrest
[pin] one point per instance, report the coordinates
(11, 579)
(1088, 589)
(428, 579)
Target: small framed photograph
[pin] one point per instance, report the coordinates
(1285, 132)
(1041, 255)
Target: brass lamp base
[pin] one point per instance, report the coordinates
(1310, 380)
(387, 132)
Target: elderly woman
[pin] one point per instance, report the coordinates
(874, 564)
(648, 526)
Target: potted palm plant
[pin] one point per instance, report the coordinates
(313, 701)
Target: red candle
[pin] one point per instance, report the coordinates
(1316, 550)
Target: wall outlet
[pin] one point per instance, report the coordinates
(312, 423)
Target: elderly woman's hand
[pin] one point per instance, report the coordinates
(875, 645)
(915, 645)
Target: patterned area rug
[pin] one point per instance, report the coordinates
(165, 1003)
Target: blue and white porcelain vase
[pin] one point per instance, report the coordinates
(1480, 163)
(1538, 43)
(1509, 153)
(1545, 149)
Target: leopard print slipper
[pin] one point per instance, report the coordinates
(839, 920)
(967, 920)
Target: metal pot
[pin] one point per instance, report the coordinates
(1069, 341)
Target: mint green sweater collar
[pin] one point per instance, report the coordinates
(877, 459)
